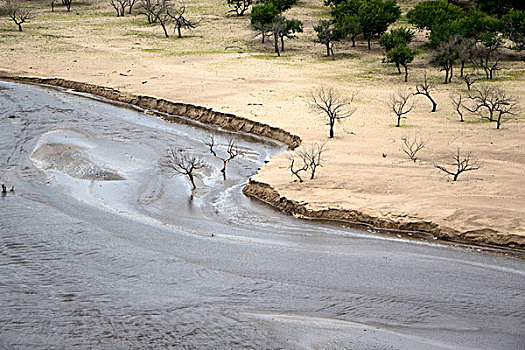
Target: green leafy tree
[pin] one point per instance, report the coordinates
(290, 28)
(429, 14)
(401, 55)
(262, 18)
(328, 34)
(280, 5)
(350, 26)
(396, 48)
(376, 16)
(514, 28)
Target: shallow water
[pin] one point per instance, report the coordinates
(101, 249)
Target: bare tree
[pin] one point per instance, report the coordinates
(459, 164)
(296, 172)
(494, 101)
(232, 151)
(411, 146)
(239, 6)
(181, 21)
(399, 104)
(183, 164)
(485, 55)
(424, 89)
(329, 103)
(17, 14)
(120, 6)
(131, 4)
(312, 156)
(67, 4)
(457, 102)
(469, 79)
(150, 8)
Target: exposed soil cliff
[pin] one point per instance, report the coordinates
(202, 114)
(269, 195)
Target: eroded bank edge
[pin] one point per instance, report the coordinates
(482, 237)
(265, 192)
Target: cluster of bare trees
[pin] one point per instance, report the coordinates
(65, 3)
(166, 13)
(123, 6)
(180, 163)
(310, 158)
(488, 102)
(455, 164)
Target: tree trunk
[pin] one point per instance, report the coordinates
(434, 104)
(328, 49)
(164, 28)
(276, 44)
(455, 176)
(451, 73)
(192, 181)
(332, 129)
(353, 41)
(282, 43)
(406, 72)
(398, 121)
(369, 47)
(263, 35)
(179, 33)
(398, 68)
(461, 69)
(19, 27)
(446, 75)
(498, 121)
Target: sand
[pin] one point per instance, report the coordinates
(364, 168)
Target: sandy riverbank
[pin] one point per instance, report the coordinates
(253, 84)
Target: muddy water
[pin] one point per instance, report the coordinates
(99, 248)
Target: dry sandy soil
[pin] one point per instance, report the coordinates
(223, 65)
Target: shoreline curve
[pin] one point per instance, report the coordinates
(265, 192)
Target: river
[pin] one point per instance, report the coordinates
(100, 248)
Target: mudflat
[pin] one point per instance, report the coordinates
(222, 65)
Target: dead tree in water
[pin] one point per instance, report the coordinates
(424, 89)
(183, 164)
(460, 163)
(232, 150)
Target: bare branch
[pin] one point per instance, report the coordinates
(329, 103)
(457, 102)
(411, 146)
(399, 104)
(459, 164)
(232, 152)
(183, 164)
(424, 89)
(494, 102)
(296, 172)
(312, 156)
(17, 14)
